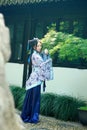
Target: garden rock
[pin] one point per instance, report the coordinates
(8, 117)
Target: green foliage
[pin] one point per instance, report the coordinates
(64, 26)
(51, 27)
(65, 107)
(59, 106)
(49, 39)
(75, 27)
(74, 49)
(69, 52)
(18, 95)
(78, 28)
(46, 107)
(83, 108)
(65, 47)
(83, 50)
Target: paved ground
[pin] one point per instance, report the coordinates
(48, 123)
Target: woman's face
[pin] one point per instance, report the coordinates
(38, 47)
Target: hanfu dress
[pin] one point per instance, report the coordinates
(41, 71)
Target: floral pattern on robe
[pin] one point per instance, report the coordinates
(41, 71)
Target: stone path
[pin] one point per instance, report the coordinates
(49, 123)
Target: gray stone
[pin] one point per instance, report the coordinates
(39, 129)
(9, 120)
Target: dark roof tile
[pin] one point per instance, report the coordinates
(14, 2)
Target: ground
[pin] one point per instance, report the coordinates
(49, 123)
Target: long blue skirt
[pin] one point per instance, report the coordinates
(31, 106)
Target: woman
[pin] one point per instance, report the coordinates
(41, 71)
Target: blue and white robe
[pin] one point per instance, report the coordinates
(41, 71)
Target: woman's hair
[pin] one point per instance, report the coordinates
(31, 43)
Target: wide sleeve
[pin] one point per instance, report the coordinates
(36, 60)
(46, 70)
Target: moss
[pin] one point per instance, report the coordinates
(83, 108)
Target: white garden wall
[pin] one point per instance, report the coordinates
(14, 73)
(66, 81)
(69, 81)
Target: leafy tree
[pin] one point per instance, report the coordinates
(65, 47)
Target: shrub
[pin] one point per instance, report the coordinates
(65, 107)
(18, 95)
(59, 106)
(46, 107)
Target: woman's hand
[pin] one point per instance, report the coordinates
(46, 51)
